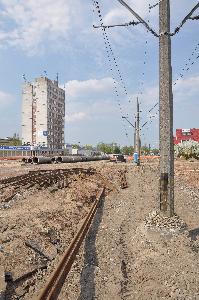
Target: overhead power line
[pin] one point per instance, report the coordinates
(144, 62)
(188, 17)
(142, 21)
(190, 62)
(166, 191)
(111, 58)
(108, 46)
(153, 107)
(138, 18)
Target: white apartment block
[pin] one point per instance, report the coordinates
(43, 113)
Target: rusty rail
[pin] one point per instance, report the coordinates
(56, 280)
(41, 179)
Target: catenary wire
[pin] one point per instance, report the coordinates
(110, 55)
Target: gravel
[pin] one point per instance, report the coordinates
(130, 252)
(124, 257)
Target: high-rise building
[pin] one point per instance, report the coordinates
(43, 113)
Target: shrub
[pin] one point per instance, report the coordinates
(187, 149)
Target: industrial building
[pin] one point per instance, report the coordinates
(43, 114)
(186, 135)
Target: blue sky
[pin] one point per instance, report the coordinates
(57, 36)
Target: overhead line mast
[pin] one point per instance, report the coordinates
(165, 100)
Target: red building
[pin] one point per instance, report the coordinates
(186, 135)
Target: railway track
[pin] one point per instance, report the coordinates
(54, 180)
(58, 178)
(57, 279)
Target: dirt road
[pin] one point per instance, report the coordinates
(123, 259)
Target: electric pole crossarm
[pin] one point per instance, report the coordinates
(153, 106)
(144, 124)
(153, 6)
(138, 17)
(194, 18)
(133, 23)
(188, 17)
(128, 121)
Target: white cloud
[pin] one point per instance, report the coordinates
(149, 97)
(29, 24)
(32, 22)
(91, 99)
(74, 117)
(186, 88)
(5, 98)
(87, 88)
(121, 14)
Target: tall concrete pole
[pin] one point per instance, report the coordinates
(166, 113)
(137, 132)
(135, 137)
(166, 101)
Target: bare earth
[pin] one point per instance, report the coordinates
(122, 257)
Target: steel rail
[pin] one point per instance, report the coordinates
(56, 280)
(41, 179)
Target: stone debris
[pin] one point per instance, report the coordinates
(138, 259)
(123, 256)
(37, 248)
(36, 225)
(166, 225)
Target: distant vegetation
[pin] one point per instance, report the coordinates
(188, 149)
(11, 141)
(109, 148)
(126, 150)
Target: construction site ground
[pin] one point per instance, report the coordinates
(129, 252)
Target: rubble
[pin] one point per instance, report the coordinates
(164, 224)
(37, 225)
(123, 257)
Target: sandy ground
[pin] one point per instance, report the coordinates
(44, 220)
(122, 257)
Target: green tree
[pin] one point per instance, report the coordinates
(102, 147)
(14, 140)
(88, 147)
(75, 146)
(145, 150)
(108, 148)
(116, 150)
(127, 150)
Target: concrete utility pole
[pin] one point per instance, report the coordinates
(134, 126)
(134, 137)
(137, 133)
(166, 105)
(165, 98)
(166, 112)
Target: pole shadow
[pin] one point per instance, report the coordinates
(194, 233)
(87, 280)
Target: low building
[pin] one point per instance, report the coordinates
(69, 149)
(183, 135)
